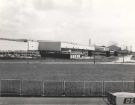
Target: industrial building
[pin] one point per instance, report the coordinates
(18, 48)
(6, 45)
(23, 48)
(102, 50)
(114, 48)
(59, 49)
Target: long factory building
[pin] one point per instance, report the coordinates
(50, 49)
(61, 49)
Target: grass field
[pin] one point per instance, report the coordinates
(68, 72)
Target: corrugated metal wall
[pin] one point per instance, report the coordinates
(50, 46)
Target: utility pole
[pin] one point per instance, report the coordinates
(27, 51)
(89, 42)
(131, 49)
(94, 55)
(123, 53)
(94, 58)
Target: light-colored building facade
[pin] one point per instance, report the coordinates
(18, 48)
(54, 49)
(61, 49)
(6, 45)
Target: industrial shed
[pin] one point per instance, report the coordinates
(8, 45)
(18, 48)
(59, 49)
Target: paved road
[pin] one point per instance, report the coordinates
(51, 101)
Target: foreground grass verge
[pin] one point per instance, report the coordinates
(67, 72)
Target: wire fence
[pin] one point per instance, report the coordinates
(34, 88)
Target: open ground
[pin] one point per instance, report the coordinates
(67, 72)
(60, 72)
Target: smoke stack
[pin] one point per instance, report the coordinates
(131, 48)
(89, 42)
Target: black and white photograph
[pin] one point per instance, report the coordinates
(67, 52)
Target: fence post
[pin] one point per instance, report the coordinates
(96, 89)
(84, 88)
(21, 87)
(123, 85)
(0, 87)
(128, 86)
(64, 90)
(43, 88)
(102, 88)
(134, 84)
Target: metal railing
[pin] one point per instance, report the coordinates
(63, 88)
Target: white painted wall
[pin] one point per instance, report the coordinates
(76, 46)
(17, 46)
(33, 45)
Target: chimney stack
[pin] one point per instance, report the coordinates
(89, 42)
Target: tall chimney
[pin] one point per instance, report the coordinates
(89, 42)
(131, 48)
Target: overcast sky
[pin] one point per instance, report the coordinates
(104, 21)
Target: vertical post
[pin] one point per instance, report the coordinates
(84, 88)
(134, 84)
(94, 58)
(43, 88)
(128, 86)
(21, 87)
(96, 89)
(64, 90)
(123, 55)
(27, 52)
(123, 85)
(0, 87)
(103, 88)
(89, 42)
(130, 49)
